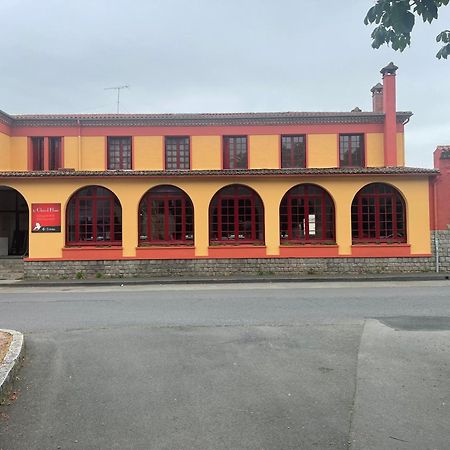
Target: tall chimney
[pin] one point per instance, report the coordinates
(390, 115)
(377, 98)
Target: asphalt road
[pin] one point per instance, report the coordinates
(260, 366)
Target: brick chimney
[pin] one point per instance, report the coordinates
(377, 98)
(390, 115)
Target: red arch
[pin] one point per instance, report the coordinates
(93, 217)
(236, 216)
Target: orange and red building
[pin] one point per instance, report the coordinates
(153, 194)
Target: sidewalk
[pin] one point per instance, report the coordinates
(227, 280)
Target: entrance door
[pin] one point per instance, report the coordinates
(14, 223)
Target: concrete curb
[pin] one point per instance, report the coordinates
(11, 363)
(225, 280)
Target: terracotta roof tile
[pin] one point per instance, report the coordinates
(207, 119)
(221, 173)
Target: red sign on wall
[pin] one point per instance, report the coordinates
(46, 217)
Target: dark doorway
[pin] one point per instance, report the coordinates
(14, 223)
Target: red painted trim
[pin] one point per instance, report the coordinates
(228, 156)
(373, 219)
(247, 139)
(306, 151)
(164, 152)
(190, 152)
(5, 129)
(172, 252)
(30, 154)
(237, 251)
(46, 153)
(180, 203)
(362, 142)
(91, 253)
(365, 150)
(418, 255)
(132, 152)
(292, 151)
(232, 198)
(61, 154)
(241, 130)
(309, 251)
(280, 146)
(314, 199)
(177, 152)
(381, 250)
(105, 143)
(441, 187)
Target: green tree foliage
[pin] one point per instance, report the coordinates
(395, 20)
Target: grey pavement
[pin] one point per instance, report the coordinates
(248, 366)
(402, 399)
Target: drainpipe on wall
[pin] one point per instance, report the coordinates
(436, 250)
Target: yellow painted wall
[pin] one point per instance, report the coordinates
(322, 150)
(148, 152)
(4, 152)
(71, 152)
(93, 153)
(201, 191)
(264, 152)
(206, 152)
(375, 150)
(400, 149)
(19, 153)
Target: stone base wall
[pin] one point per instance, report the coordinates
(443, 239)
(201, 268)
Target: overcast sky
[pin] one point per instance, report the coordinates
(216, 56)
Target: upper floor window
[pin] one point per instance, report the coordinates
(119, 153)
(351, 150)
(235, 154)
(293, 151)
(46, 153)
(177, 153)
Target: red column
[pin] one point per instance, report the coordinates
(390, 118)
(440, 206)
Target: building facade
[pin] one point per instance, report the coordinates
(212, 194)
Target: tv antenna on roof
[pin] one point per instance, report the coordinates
(118, 88)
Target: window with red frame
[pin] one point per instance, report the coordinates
(378, 215)
(236, 216)
(46, 153)
(235, 154)
(94, 217)
(351, 150)
(119, 153)
(166, 216)
(307, 215)
(293, 151)
(177, 153)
